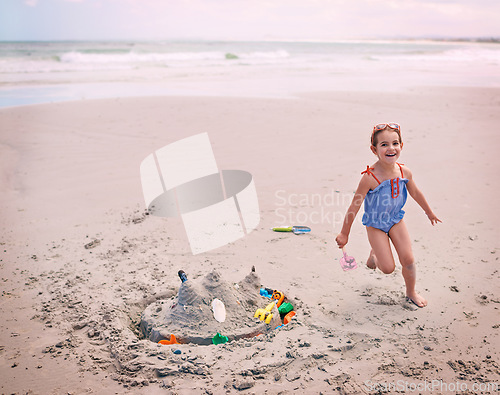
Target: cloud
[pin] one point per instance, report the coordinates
(34, 3)
(262, 19)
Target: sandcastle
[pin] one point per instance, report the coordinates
(189, 316)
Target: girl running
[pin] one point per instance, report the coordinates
(384, 188)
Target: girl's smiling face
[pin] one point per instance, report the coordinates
(388, 148)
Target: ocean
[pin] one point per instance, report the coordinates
(38, 72)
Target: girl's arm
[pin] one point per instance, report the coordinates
(357, 200)
(419, 197)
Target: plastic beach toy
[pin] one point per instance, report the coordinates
(219, 339)
(219, 310)
(348, 262)
(172, 340)
(265, 314)
(288, 317)
(279, 297)
(285, 308)
(182, 275)
(298, 230)
(273, 294)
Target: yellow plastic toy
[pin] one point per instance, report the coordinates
(265, 314)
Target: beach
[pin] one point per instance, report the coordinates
(81, 259)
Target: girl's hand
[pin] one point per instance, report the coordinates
(432, 217)
(341, 240)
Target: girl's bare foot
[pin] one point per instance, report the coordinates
(371, 262)
(416, 299)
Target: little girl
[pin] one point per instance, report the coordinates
(383, 188)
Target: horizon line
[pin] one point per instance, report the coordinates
(480, 39)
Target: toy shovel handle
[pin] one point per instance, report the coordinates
(283, 229)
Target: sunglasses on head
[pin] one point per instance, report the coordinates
(382, 126)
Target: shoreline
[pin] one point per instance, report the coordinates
(40, 93)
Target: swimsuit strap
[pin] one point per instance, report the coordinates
(401, 169)
(368, 171)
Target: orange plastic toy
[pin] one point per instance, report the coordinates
(288, 317)
(172, 340)
(279, 296)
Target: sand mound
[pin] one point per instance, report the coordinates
(190, 318)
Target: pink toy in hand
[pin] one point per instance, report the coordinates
(348, 262)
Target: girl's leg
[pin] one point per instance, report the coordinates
(381, 248)
(371, 262)
(402, 242)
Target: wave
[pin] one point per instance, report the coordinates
(134, 57)
(73, 57)
(472, 54)
(85, 61)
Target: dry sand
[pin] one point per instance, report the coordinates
(70, 315)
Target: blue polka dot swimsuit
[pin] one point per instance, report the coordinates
(384, 204)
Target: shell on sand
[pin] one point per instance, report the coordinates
(219, 310)
(190, 318)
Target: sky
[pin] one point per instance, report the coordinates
(22, 20)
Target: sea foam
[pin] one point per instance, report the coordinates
(170, 58)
